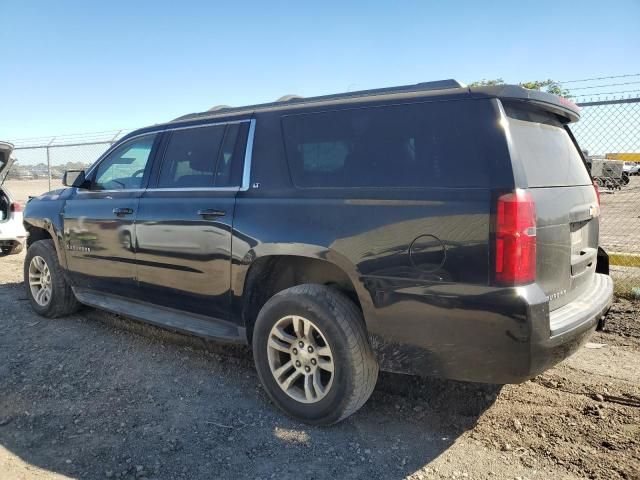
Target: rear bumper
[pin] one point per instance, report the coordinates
(571, 325)
(481, 334)
(12, 233)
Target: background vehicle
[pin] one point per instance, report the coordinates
(631, 168)
(337, 236)
(12, 233)
(630, 162)
(608, 173)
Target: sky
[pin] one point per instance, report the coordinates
(73, 67)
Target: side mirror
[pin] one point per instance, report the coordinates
(73, 178)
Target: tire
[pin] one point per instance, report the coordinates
(625, 179)
(17, 248)
(336, 323)
(61, 300)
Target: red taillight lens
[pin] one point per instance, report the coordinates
(515, 239)
(597, 189)
(15, 207)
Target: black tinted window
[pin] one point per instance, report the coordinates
(416, 145)
(544, 148)
(191, 156)
(231, 159)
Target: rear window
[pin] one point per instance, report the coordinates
(544, 148)
(434, 144)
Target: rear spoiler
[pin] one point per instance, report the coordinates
(547, 101)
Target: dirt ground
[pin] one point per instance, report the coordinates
(96, 396)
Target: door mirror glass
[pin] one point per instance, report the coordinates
(73, 178)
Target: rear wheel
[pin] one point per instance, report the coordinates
(313, 355)
(48, 291)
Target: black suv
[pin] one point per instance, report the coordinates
(431, 229)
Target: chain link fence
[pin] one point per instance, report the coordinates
(41, 162)
(608, 132)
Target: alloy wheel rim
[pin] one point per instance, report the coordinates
(300, 359)
(40, 281)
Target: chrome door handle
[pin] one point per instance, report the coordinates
(211, 213)
(122, 211)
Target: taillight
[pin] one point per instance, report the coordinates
(15, 207)
(515, 239)
(597, 189)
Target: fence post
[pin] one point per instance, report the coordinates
(49, 162)
(49, 167)
(113, 140)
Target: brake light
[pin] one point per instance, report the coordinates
(595, 186)
(515, 239)
(15, 207)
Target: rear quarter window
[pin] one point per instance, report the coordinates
(432, 144)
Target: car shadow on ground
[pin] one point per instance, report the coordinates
(99, 396)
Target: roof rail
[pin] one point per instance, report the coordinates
(288, 97)
(441, 84)
(218, 107)
(291, 99)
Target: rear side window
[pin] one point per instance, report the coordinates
(544, 148)
(202, 157)
(434, 144)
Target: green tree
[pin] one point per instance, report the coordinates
(548, 85)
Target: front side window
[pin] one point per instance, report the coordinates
(202, 157)
(124, 168)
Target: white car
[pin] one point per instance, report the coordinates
(12, 233)
(631, 168)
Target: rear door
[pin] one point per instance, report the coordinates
(185, 219)
(547, 161)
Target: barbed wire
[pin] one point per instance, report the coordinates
(101, 132)
(601, 78)
(595, 94)
(605, 86)
(77, 138)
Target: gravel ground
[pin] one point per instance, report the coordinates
(96, 396)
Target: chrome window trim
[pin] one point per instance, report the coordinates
(128, 190)
(193, 189)
(248, 155)
(246, 172)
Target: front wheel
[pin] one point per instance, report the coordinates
(313, 355)
(47, 290)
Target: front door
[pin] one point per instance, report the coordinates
(99, 220)
(185, 220)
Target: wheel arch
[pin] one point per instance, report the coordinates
(274, 272)
(44, 229)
